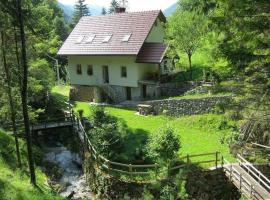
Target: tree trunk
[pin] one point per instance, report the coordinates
(24, 95)
(17, 57)
(11, 103)
(190, 65)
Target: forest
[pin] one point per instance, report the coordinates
(228, 40)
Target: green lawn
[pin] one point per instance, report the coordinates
(198, 134)
(15, 184)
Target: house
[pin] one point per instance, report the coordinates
(117, 57)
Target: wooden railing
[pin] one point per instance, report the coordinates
(57, 119)
(254, 172)
(249, 189)
(152, 170)
(241, 182)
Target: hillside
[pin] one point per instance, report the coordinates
(168, 11)
(69, 9)
(15, 184)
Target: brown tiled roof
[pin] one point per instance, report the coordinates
(139, 24)
(151, 53)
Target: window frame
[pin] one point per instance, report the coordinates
(79, 69)
(123, 72)
(90, 69)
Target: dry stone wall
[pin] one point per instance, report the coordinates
(182, 107)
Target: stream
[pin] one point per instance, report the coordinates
(70, 173)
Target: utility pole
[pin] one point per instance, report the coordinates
(57, 68)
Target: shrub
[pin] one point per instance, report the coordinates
(107, 139)
(164, 145)
(99, 116)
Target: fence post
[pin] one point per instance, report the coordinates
(231, 172)
(240, 182)
(130, 170)
(78, 124)
(251, 190)
(217, 159)
(222, 161)
(156, 170)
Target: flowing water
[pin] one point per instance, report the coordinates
(70, 165)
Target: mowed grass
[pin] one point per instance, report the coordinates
(14, 183)
(198, 134)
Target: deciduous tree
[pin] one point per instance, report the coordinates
(185, 31)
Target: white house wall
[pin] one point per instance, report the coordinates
(135, 71)
(157, 33)
(114, 64)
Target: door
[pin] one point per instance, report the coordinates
(106, 74)
(144, 91)
(128, 90)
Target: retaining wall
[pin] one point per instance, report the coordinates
(182, 107)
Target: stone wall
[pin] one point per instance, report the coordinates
(182, 107)
(176, 89)
(85, 93)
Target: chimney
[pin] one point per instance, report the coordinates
(120, 9)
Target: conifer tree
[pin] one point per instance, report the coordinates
(81, 9)
(104, 11)
(113, 6)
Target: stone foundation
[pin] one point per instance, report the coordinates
(86, 93)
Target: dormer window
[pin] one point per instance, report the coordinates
(79, 40)
(107, 38)
(90, 38)
(126, 38)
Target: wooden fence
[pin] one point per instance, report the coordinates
(151, 170)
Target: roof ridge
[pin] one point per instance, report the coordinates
(123, 13)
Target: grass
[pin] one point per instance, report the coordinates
(15, 184)
(198, 133)
(200, 96)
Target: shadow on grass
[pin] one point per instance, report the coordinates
(7, 150)
(134, 147)
(56, 105)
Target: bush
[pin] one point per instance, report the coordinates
(99, 117)
(164, 145)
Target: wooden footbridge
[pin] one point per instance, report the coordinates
(248, 179)
(243, 174)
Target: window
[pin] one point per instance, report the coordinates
(90, 70)
(90, 39)
(165, 65)
(79, 40)
(79, 69)
(107, 38)
(123, 72)
(126, 38)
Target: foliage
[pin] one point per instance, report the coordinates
(14, 184)
(114, 4)
(104, 11)
(164, 145)
(80, 10)
(107, 133)
(245, 43)
(186, 34)
(100, 117)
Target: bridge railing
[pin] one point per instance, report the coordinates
(234, 175)
(147, 170)
(254, 172)
(245, 186)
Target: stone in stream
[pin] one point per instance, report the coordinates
(72, 180)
